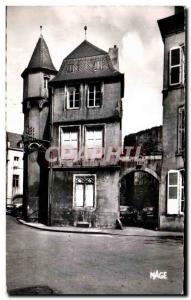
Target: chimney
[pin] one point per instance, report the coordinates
(113, 53)
(178, 9)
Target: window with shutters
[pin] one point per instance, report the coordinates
(94, 142)
(181, 129)
(175, 193)
(94, 95)
(73, 97)
(69, 143)
(176, 66)
(84, 191)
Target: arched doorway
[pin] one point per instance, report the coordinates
(139, 198)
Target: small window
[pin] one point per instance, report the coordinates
(70, 68)
(176, 66)
(73, 97)
(98, 64)
(181, 129)
(69, 143)
(94, 95)
(84, 187)
(94, 143)
(15, 181)
(46, 80)
(16, 158)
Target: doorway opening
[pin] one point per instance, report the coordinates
(139, 199)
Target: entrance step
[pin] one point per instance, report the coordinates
(83, 224)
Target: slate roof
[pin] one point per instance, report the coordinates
(14, 139)
(83, 60)
(40, 58)
(85, 49)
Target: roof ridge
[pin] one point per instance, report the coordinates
(85, 42)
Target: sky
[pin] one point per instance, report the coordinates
(133, 29)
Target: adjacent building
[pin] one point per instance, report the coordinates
(172, 195)
(14, 166)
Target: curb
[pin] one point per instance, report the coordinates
(160, 234)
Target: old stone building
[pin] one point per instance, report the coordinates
(82, 113)
(171, 203)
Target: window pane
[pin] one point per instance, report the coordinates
(175, 75)
(79, 195)
(77, 104)
(175, 57)
(98, 102)
(173, 192)
(89, 193)
(91, 102)
(91, 88)
(98, 87)
(173, 178)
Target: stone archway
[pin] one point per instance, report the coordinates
(139, 195)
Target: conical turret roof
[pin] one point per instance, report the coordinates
(40, 58)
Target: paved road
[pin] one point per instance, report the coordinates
(72, 263)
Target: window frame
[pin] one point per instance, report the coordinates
(84, 207)
(93, 127)
(70, 68)
(67, 93)
(101, 93)
(98, 64)
(180, 65)
(16, 178)
(76, 128)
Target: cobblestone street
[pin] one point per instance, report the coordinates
(70, 263)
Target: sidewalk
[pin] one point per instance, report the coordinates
(127, 231)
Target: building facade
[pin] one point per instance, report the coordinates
(14, 166)
(172, 195)
(80, 115)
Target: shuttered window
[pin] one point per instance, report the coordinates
(69, 143)
(94, 143)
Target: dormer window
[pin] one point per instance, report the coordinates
(73, 97)
(94, 95)
(70, 68)
(176, 66)
(98, 64)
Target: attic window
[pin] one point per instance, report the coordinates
(70, 68)
(98, 65)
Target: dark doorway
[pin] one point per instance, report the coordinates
(139, 197)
